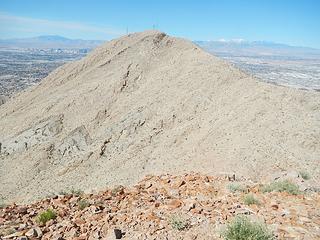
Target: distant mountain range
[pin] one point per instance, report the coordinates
(51, 41)
(239, 47)
(235, 47)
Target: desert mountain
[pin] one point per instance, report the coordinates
(50, 41)
(239, 47)
(150, 103)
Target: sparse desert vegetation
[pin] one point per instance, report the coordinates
(45, 216)
(2, 203)
(160, 206)
(236, 187)
(178, 222)
(72, 191)
(242, 228)
(305, 175)
(250, 199)
(83, 203)
(117, 189)
(282, 186)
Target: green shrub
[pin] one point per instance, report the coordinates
(282, 186)
(241, 228)
(117, 190)
(76, 192)
(236, 187)
(305, 175)
(62, 192)
(178, 223)
(2, 203)
(8, 231)
(83, 203)
(45, 216)
(250, 199)
(72, 191)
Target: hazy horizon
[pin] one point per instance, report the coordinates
(222, 41)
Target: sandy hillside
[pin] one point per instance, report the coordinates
(150, 103)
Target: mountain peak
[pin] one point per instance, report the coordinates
(52, 38)
(149, 103)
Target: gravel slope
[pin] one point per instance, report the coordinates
(150, 103)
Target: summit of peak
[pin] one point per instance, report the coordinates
(147, 103)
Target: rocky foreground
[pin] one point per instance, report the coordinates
(190, 206)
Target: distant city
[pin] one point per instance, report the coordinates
(275, 63)
(21, 68)
(24, 62)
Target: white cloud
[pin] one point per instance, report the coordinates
(12, 25)
(234, 40)
(222, 40)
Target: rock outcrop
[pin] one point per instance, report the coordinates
(190, 206)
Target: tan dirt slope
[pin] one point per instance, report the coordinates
(150, 103)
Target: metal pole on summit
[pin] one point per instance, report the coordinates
(155, 26)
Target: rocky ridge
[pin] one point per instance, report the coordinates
(189, 206)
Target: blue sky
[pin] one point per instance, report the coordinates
(295, 22)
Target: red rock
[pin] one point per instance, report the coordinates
(79, 221)
(22, 226)
(96, 209)
(114, 209)
(80, 238)
(34, 232)
(22, 210)
(71, 233)
(196, 210)
(30, 233)
(190, 178)
(13, 235)
(152, 217)
(57, 236)
(49, 223)
(146, 211)
(62, 213)
(148, 185)
(180, 183)
(175, 203)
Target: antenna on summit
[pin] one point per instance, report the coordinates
(155, 26)
(127, 30)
